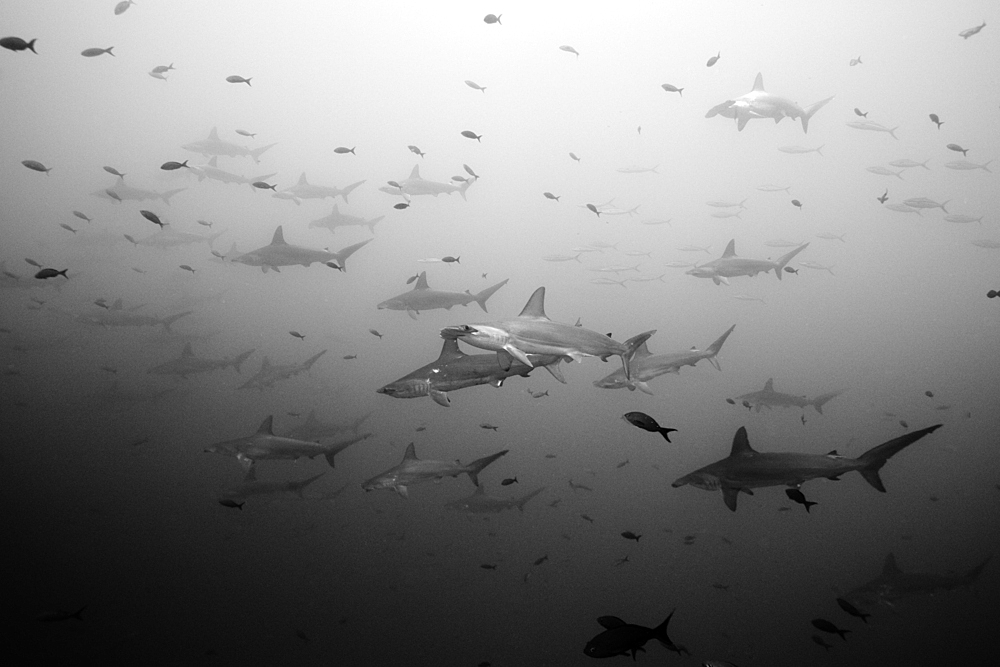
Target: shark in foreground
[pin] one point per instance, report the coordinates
(336, 219)
(769, 398)
(306, 190)
(422, 297)
(454, 370)
(730, 266)
(212, 172)
(127, 192)
(213, 146)
(270, 373)
(264, 445)
(893, 585)
(480, 503)
(412, 470)
(279, 253)
(415, 185)
(758, 103)
(646, 366)
(746, 469)
(532, 332)
(188, 364)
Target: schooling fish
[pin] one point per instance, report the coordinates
(549, 195)
(647, 423)
(90, 53)
(594, 209)
(51, 273)
(171, 166)
(152, 217)
(714, 59)
(629, 535)
(958, 149)
(852, 610)
(858, 112)
(342, 150)
(35, 165)
(112, 170)
(492, 18)
(18, 44)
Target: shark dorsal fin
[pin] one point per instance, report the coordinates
(302, 179)
(450, 351)
(769, 385)
(416, 172)
(336, 209)
(741, 444)
(421, 281)
(832, 452)
(213, 135)
(642, 352)
(758, 83)
(187, 351)
(535, 308)
(730, 249)
(890, 566)
(410, 454)
(279, 237)
(267, 426)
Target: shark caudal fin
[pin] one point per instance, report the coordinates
(823, 399)
(523, 500)
(632, 346)
(786, 258)
(810, 111)
(167, 321)
(873, 460)
(463, 188)
(713, 350)
(300, 486)
(170, 193)
(476, 467)
(350, 188)
(342, 255)
(307, 364)
(486, 294)
(240, 358)
(257, 152)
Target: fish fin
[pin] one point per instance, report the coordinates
(611, 622)
(535, 308)
(741, 444)
(422, 281)
(481, 297)
(410, 454)
(402, 490)
(513, 351)
(412, 313)
(729, 496)
(555, 370)
(631, 347)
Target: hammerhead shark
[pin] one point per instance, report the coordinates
(336, 219)
(746, 469)
(412, 470)
(305, 190)
(314, 429)
(893, 585)
(769, 398)
(532, 332)
(480, 503)
(422, 297)
(646, 366)
(117, 316)
(270, 373)
(454, 370)
(280, 253)
(212, 171)
(730, 266)
(415, 185)
(122, 191)
(188, 364)
(758, 103)
(215, 146)
(251, 486)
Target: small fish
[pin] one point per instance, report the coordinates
(629, 535)
(852, 610)
(238, 79)
(102, 303)
(475, 86)
(550, 456)
(621, 561)
(412, 278)
(885, 197)
(827, 626)
(965, 34)
(130, 239)
(469, 171)
(902, 422)
(297, 335)
(714, 59)
(594, 209)
(420, 428)
(115, 172)
(858, 112)
(929, 394)
(578, 487)
(856, 61)
(334, 265)
(82, 216)
(488, 426)
(140, 441)
(730, 401)
(122, 6)
(186, 267)
(549, 195)
(138, 270)
(721, 587)
(229, 502)
(647, 423)
(375, 333)
(469, 134)
(460, 179)
(152, 217)
(573, 155)
(569, 49)
(958, 149)
(301, 635)
(622, 464)
(245, 133)
(342, 150)
(394, 184)
(67, 227)
(205, 223)
(35, 165)
(350, 356)
(796, 496)
(796, 203)
(586, 518)
(992, 294)
(492, 18)
(509, 481)
(114, 195)
(539, 394)
(539, 561)
(488, 566)
(171, 166)
(670, 89)
(261, 185)
(746, 404)
(937, 121)
(401, 205)
(18, 44)
(417, 151)
(819, 640)
(448, 259)
(90, 53)
(51, 273)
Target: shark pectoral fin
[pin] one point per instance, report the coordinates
(412, 314)
(556, 371)
(729, 495)
(517, 354)
(402, 490)
(504, 360)
(440, 397)
(644, 388)
(246, 462)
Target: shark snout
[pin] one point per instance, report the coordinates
(457, 332)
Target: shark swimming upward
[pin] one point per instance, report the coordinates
(412, 470)
(730, 266)
(758, 103)
(422, 297)
(769, 398)
(746, 469)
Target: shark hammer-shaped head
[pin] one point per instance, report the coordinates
(481, 335)
(699, 480)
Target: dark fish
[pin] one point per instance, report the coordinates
(130, 239)
(82, 216)
(827, 626)
(594, 209)
(539, 394)
(375, 333)
(670, 89)
(342, 150)
(549, 195)
(822, 642)
(246, 134)
(884, 198)
(629, 535)
(539, 561)
(852, 610)
(460, 179)
(469, 134)
(488, 566)
(51, 273)
(297, 335)
(796, 203)
(902, 422)
(622, 464)
(420, 428)
(90, 53)
(401, 205)
(18, 44)
(714, 59)
(488, 426)
(730, 401)
(187, 268)
(550, 456)
(992, 293)
(261, 185)
(229, 502)
(301, 635)
(102, 303)
(152, 217)
(414, 149)
(573, 155)
(586, 518)
(334, 265)
(350, 356)
(492, 18)
(796, 496)
(721, 587)
(958, 149)
(451, 260)
(509, 481)
(170, 166)
(929, 394)
(858, 112)
(647, 423)
(35, 165)
(54, 616)
(469, 171)
(112, 170)
(621, 638)
(746, 404)
(238, 79)
(122, 7)
(937, 121)
(621, 561)
(394, 184)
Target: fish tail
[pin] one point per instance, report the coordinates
(873, 460)
(476, 467)
(31, 45)
(786, 258)
(822, 400)
(665, 432)
(713, 350)
(63, 273)
(632, 345)
(78, 614)
(660, 632)
(945, 204)
(486, 294)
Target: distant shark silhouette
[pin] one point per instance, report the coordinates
(412, 470)
(270, 373)
(305, 190)
(422, 297)
(214, 146)
(769, 398)
(415, 185)
(480, 503)
(760, 104)
(730, 266)
(279, 253)
(893, 585)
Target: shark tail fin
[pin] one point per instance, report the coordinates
(463, 188)
(342, 254)
(347, 190)
(312, 360)
(786, 258)
(257, 152)
(486, 294)
(823, 399)
(812, 110)
(632, 346)
(167, 321)
(523, 500)
(170, 193)
(238, 361)
(873, 460)
(713, 350)
(477, 466)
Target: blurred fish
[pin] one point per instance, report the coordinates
(882, 171)
(343, 149)
(647, 423)
(539, 561)
(907, 164)
(33, 262)
(448, 259)
(158, 75)
(872, 126)
(297, 335)
(162, 69)
(573, 155)
(187, 267)
(246, 134)
(469, 134)
(375, 333)
(714, 59)
(489, 427)
(414, 149)
(469, 171)
(58, 616)
(730, 401)
(229, 502)
(18, 44)
(549, 195)
(171, 166)
(800, 150)
(827, 626)
(958, 149)
(929, 394)
(400, 206)
(855, 61)
(67, 227)
(474, 85)
(852, 610)
(924, 202)
(969, 32)
(796, 203)
(629, 535)
(130, 239)
(822, 642)
(205, 223)
(122, 6)
(35, 165)
(937, 121)
(965, 165)
(90, 53)
(671, 89)
(350, 356)
(569, 49)
(82, 216)
(858, 112)
(902, 422)
(112, 170)
(884, 197)
(509, 481)
(238, 79)
(492, 18)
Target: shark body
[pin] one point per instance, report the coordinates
(412, 470)
(169, 238)
(746, 469)
(211, 171)
(253, 487)
(730, 266)
(769, 398)
(188, 364)
(279, 253)
(213, 146)
(646, 366)
(422, 297)
(893, 585)
(759, 103)
(415, 185)
(336, 220)
(125, 192)
(480, 503)
(314, 429)
(270, 373)
(117, 316)
(306, 190)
